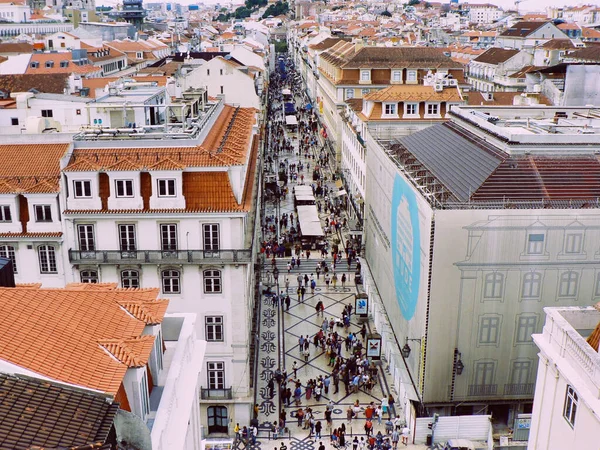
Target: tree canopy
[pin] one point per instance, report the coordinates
(276, 9)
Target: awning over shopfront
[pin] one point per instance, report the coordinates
(310, 224)
(338, 184)
(291, 120)
(340, 193)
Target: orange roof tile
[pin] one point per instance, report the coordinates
(65, 334)
(31, 168)
(406, 92)
(218, 149)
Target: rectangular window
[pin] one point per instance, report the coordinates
(411, 76)
(569, 282)
(130, 279)
(349, 93)
(82, 189)
(597, 291)
(86, 238)
(531, 285)
(43, 213)
(166, 188)
(168, 237)
(365, 75)
(410, 109)
(5, 215)
(222, 90)
(220, 71)
(571, 401)
(212, 281)
(171, 282)
(520, 373)
(526, 326)
(390, 109)
(535, 244)
(214, 328)
(8, 252)
(14, 121)
(124, 188)
(494, 285)
(573, 243)
(365, 91)
(484, 373)
(47, 113)
(47, 257)
(216, 375)
(489, 330)
(127, 238)
(396, 75)
(433, 109)
(210, 236)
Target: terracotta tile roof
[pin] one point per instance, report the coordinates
(49, 83)
(58, 332)
(558, 44)
(502, 99)
(31, 168)
(133, 352)
(399, 57)
(218, 149)
(40, 234)
(414, 93)
(325, 44)
(56, 59)
(38, 414)
(523, 28)
(16, 47)
(496, 55)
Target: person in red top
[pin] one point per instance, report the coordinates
(368, 427)
(369, 413)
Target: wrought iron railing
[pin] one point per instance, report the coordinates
(480, 390)
(160, 256)
(519, 389)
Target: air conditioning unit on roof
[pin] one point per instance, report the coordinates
(439, 87)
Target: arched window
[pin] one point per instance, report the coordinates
(171, 281)
(130, 279)
(212, 281)
(531, 285)
(217, 419)
(568, 284)
(89, 276)
(8, 252)
(494, 282)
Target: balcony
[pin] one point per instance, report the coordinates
(160, 257)
(216, 394)
(521, 389)
(482, 390)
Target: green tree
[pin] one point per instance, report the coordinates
(413, 2)
(276, 9)
(223, 17)
(242, 12)
(281, 47)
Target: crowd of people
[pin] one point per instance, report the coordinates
(295, 159)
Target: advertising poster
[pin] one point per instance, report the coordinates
(374, 348)
(406, 253)
(362, 306)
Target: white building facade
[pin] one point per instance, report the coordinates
(566, 407)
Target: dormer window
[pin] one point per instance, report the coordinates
(397, 76)
(64, 64)
(390, 109)
(411, 76)
(5, 215)
(82, 188)
(139, 55)
(166, 188)
(124, 188)
(365, 75)
(49, 64)
(34, 65)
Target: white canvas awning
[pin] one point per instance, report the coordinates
(310, 224)
(291, 120)
(303, 189)
(340, 193)
(286, 92)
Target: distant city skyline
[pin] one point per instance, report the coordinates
(525, 5)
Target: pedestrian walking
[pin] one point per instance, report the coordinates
(343, 280)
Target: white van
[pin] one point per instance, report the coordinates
(459, 444)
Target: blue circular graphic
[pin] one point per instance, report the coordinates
(406, 252)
